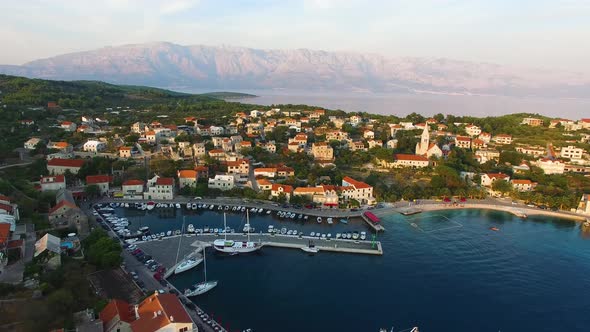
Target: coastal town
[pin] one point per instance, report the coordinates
(59, 161)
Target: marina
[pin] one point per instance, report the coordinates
(289, 269)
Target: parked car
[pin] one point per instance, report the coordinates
(139, 257)
(148, 262)
(161, 269)
(173, 291)
(163, 282)
(136, 252)
(158, 276)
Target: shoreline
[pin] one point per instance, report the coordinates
(517, 211)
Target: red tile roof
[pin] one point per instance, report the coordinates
(169, 307)
(355, 183)
(65, 162)
(6, 207)
(117, 308)
(4, 233)
(187, 174)
(133, 183)
(61, 204)
(165, 182)
(414, 157)
(522, 182)
(94, 179)
(286, 188)
(5, 198)
(497, 175)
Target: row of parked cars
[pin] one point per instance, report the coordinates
(149, 263)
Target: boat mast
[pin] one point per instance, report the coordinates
(224, 227)
(205, 263)
(180, 239)
(248, 222)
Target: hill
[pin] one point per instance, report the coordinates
(232, 68)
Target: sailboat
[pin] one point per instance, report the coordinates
(187, 264)
(204, 286)
(235, 247)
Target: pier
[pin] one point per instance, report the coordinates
(164, 250)
(373, 221)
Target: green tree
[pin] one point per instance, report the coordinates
(502, 186)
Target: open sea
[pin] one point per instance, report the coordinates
(441, 271)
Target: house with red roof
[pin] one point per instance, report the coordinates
(277, 189)
(158, 312)
(409, 160)
(101, 181)
(52, 183)
(117, 316)
(67, 126)
(360, 191)
(187, 178)
(159, 188)
(60, 166)
(240, 167)
(487, 179)
(523, 185)
(132, 189)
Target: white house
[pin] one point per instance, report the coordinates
(187, 178)
(361, 192)
(94, 146)
(410, 160)
(53, 183)
(487, 179)
(571, 152)
(550, 166)
(32, 142)
(222, 182)
(132, 189)
(101, 181)
(472, 130)
(523, 185)
(159, 188)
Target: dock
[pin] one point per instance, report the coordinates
(164, 250)
(376, 226)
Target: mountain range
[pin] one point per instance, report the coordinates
(169, 65)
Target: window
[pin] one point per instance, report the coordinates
(184, 329)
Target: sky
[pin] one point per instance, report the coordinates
(552, 34)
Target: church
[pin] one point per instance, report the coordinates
(425, 148)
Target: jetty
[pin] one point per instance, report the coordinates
(373, 221)
(164, 250)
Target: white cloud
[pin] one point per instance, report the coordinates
(173, 7)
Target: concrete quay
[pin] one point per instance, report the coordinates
(164, 250)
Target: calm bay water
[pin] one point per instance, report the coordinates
(442, 271)
(402, 104)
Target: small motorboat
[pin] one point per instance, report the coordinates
(312, 234)
(268, 212)
(311, 248)
(355, 235)
(178, 205)
(168, 233)
(363, 236)
(188, 206)
(338, 235)
(190, 228)
(319, 219)
(495, 229)
(344, 221)
(330, 221)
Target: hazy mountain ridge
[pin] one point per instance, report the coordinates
(226, 67)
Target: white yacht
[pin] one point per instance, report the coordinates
(235, 247)
(187, 264)
(203, 286)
